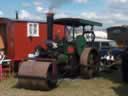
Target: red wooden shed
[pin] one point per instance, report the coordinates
(21, 37)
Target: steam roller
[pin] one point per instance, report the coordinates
(37, 75)
(42, 75)
(62, 58)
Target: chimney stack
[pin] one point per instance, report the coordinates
(50, 22)
(17, 15)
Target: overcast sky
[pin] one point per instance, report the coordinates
(109, 12)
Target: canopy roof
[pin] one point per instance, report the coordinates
(76, 22)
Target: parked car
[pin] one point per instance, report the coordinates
(110, 53)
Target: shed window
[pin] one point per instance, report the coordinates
(33, 29)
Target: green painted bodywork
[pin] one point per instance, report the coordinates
(80, 43)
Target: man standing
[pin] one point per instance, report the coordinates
(124, 65)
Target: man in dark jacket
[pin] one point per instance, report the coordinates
(125, 65)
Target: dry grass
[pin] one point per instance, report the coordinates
(105, 85)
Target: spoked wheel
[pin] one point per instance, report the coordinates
(89, 63)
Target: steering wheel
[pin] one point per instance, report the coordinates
(90, 35)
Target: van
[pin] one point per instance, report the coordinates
(104, 46)
(103, 43)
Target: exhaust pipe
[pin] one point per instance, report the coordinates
(17, 15)
(50, 18)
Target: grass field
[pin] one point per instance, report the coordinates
(107, 84)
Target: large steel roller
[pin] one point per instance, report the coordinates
(37, 75)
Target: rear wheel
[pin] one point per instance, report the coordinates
(90, 66)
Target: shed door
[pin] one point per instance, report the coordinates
(3, 36)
